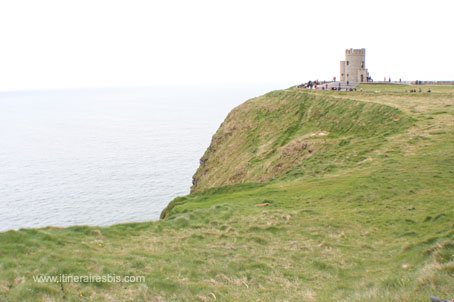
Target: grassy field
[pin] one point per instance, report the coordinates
(367, 215)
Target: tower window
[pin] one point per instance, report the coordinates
(348, 63)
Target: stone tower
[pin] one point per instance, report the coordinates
(353, 69)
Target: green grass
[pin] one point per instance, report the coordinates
(295, 132)
(368, 217)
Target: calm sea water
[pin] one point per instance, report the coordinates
(103, 156)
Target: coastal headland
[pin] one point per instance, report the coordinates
(303, 195)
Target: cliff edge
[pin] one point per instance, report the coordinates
(291, 133)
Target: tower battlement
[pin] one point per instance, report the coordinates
(351, 51)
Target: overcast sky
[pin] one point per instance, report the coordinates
(50, 44)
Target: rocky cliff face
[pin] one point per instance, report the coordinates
(292, 133)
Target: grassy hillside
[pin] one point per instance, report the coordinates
(366, 216)
(294, 132)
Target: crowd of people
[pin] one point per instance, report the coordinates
(323, 85)
(341, 86)
(312, 84)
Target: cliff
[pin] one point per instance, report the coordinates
(293, 133)
(302, 196)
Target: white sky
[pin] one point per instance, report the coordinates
(50, 44)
